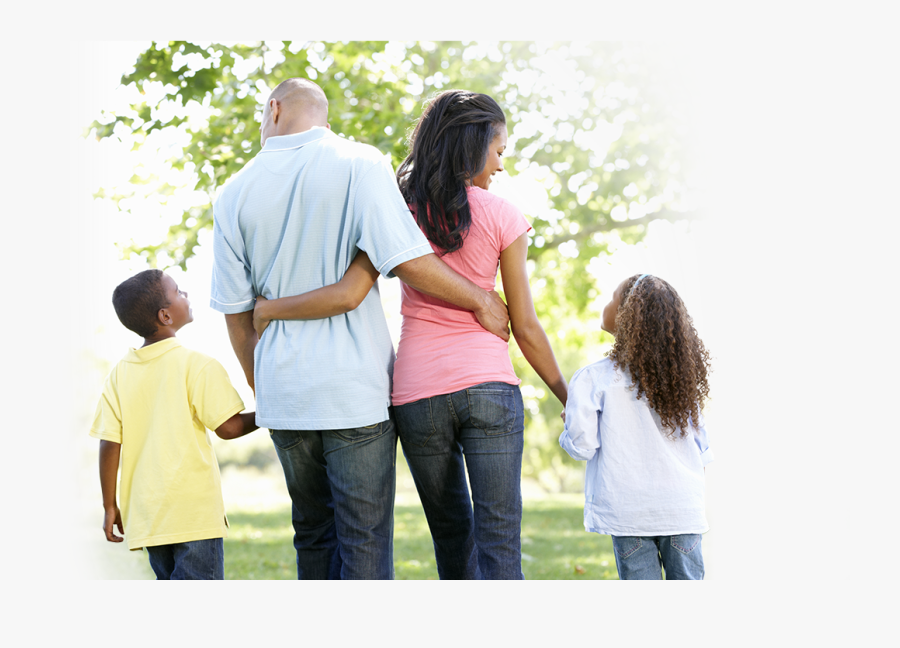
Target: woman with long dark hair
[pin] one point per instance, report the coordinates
(456, 398)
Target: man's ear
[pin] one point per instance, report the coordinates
(327, 125)
(275, 109)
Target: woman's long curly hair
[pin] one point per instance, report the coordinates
(447, 149)
(657, 343)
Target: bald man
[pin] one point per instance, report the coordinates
(289, 222)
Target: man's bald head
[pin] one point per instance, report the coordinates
(302, 95)
(295, 105)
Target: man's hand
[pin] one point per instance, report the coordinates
(494, 316)
(429, 275)
(259, 322)
(110, 519)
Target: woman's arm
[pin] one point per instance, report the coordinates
(525, 326)
(329, 301)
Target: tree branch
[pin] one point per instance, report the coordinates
(607, 225)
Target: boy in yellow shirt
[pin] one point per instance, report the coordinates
(156, 406)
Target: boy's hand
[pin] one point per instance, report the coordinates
(259, 323)
(113, 518)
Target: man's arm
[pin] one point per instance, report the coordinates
(243, 340)
(429, 275)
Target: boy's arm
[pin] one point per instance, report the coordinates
(237, 426)
(336, 299)
(109, 468)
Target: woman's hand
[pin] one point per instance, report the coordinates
(259, 321)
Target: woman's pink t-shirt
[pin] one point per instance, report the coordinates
(442, 347)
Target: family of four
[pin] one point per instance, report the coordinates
(301, 235)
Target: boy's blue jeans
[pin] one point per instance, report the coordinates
(640, 558)
(341, 484)
(479, 429)
(195, 560)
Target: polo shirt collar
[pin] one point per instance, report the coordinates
(147, 353)
(296, 140)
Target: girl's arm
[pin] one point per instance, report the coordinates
(525, 326)
(329, 301)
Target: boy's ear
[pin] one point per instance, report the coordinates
(163, 316)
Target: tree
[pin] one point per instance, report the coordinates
(597, 125)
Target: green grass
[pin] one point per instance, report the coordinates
(554, 544)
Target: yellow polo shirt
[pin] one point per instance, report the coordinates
(158, 402)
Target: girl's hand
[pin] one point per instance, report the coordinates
(259, 322)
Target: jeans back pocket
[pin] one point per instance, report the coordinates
(493, 407)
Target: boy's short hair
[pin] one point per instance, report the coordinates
(137, 301)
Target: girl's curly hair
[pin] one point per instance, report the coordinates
(657, 343)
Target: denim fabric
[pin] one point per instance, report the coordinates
(639, 558)
(341, 484)
(195, 560)
(483, 424)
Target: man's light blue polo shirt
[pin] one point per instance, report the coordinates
(289, 222)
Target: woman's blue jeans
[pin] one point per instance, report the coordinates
(483, 426)
(640, 558)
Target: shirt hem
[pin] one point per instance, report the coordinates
(405, 400)
(322, 424)
(642, 534)
(172, 538)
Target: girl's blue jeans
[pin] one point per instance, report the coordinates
(640, 558)
(478, 430)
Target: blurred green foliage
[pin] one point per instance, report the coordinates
(598, 125)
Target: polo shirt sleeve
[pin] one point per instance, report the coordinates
(213, 398)
(107, 425)
(386, 230)
(581, 436)
(231, 289)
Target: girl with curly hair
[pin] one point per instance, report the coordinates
(635, 417)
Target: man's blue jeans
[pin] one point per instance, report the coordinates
(195, 560)
(341, 484)
(640, 558)
(483, 424)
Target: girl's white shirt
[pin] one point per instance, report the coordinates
(639, 481)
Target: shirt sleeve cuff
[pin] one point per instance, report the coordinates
(706, 457)
(566, 444)
(235, 409)
(232, 308)
(387, 267)
(105, 436)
